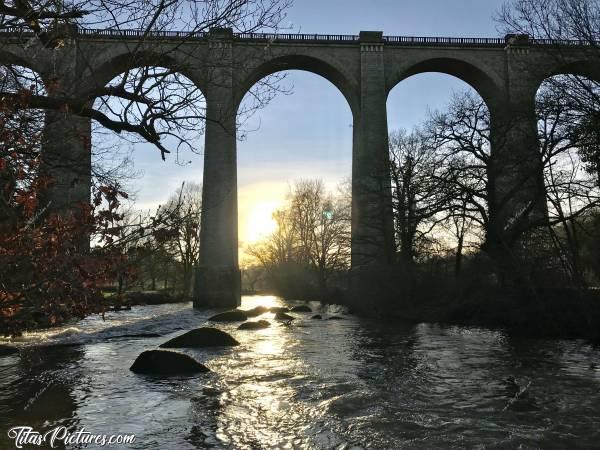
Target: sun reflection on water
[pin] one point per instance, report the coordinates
(316, 384)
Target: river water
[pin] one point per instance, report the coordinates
(318, 384)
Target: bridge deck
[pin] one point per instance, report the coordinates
(414, 41)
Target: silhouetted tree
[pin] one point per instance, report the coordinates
(184, 210)
(568, 20)
(149, 102)
(421, 195)
(312, 233)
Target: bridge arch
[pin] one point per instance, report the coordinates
(8, 58)
(109, 69)
(474, 76)
(315, 65)
(588, 68)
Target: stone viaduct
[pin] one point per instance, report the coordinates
(506, 72)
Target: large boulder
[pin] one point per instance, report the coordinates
(254, 325)
(277, 309)
(201, 337)
(6, 350)
(317, 317)
(257, 311)
(301, 309)
(283, 316)
(235, 315)
(166, 362)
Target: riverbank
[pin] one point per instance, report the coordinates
(549, 313)
(134, 298)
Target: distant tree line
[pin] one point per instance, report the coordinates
(308, 254)
(160, 249)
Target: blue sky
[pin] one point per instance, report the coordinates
(308, 134)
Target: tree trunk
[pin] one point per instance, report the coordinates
(458, 258)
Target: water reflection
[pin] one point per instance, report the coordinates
(313, 384)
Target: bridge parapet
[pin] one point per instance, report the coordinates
(413, 41)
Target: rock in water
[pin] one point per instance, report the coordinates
(317, 317)
(230, 316)
(258, 325)
(336, 318)
(6, 350)
(166, 362)
(283, 316)
(202, 337)
(301, 308)
(257, 311)
(277, 309)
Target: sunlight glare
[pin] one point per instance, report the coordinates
(260, 222)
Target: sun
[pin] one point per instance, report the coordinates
(260, 222)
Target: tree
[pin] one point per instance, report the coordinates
(149, 102)
(48, 276)
(184, 209)
(322, 226)
(45, 278)
(462, 134)
(566, 20)
(571, 188)
(420, 194)
(312, 233)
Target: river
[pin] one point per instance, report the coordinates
(316, 384)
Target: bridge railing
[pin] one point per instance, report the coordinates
(444, 41)
(564, 42)
(137, 34)
(417, 41)
(296, 37)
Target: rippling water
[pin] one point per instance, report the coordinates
(343, 384)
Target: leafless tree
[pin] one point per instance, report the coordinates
(313, 231)
(462, 134)
(184, 210)
(322, 226)
(566, 20)
(421, 195)
(149, 103)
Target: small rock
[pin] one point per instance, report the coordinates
(277, 309)
(6, 350)
(202, 337)
(257, 311)
(317, 317)
(258, 325)
(301, 308)
(166, 362)
(283, 316)
(336, 318)
(230, 316)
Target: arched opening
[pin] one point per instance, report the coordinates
(294, 169)
(152, 148)
(439, 130)
(483, 83)
(568, 125)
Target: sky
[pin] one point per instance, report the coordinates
(308, 134)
